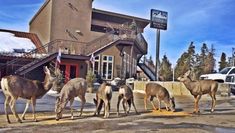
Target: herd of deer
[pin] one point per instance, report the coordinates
(15, 87)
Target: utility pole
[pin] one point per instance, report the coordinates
(157, 55)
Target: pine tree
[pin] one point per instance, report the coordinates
(223, 63)
(165, 69)
(186, 61)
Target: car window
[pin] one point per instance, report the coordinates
(229, 78)
(225, 70)
(232, 71)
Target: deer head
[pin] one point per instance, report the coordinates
(49, 79)
(59, 82)
(185, 76)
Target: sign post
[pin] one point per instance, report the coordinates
(158, 21)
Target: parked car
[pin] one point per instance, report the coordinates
(220, 76)
(230, 79)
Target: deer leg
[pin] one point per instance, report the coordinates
(196, 106)
(106, 109)
(213, 102)
(124, 105)
(166, 105)
(159, 104)
(83, 99)
(133, 103)
(13, 109)
(129, 105)
(97, 107)
(26, 108)
(151, 100)
(71, 107)
(145, 102)
(118, 103)
(109, 107)
(33, 100)
(6, 106)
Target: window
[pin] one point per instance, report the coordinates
(107, 67)
(232, 71)
(72, 71)
(97, 65)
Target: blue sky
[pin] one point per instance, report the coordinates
(209, 21)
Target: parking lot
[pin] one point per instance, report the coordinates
(222, 120)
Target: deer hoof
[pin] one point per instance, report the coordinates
(8, 121)
(19, 120)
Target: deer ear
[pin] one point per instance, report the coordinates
(46, 70)
(188, 73)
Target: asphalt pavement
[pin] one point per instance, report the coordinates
(222, 120)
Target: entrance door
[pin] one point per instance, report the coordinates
(69, 71)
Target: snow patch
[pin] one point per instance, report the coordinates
(9, 42)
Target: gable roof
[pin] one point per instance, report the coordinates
(31, 36)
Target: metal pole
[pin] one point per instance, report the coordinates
(157, 54)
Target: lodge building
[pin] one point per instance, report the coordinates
(80, 32)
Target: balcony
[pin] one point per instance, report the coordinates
(82, 48)
(67, 47)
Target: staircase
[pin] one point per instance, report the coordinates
(97, 44)
(146, 69)
(37, 56)
(29, 67)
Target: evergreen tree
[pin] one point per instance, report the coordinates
(210, 62)
(165, 69)
(186, 61)
(223, 63)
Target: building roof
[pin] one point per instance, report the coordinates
(120, 17)
(23, 38)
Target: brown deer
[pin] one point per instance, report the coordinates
(155, 90)
(199, 88)
(103, 95)
(73, 88)
(126, 95)
(14, 87)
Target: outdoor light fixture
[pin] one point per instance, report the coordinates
(78, 31)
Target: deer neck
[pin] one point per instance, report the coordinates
(188, 84)
(47, 84)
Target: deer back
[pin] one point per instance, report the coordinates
(21, 87)
(104, 92)
(74, 87)
(125, 91)
(154, 89)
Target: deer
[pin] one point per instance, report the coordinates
(155, 90)
(199, 88)
(125, 94)
(76, 87)
(103, 96)
(15, 87)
